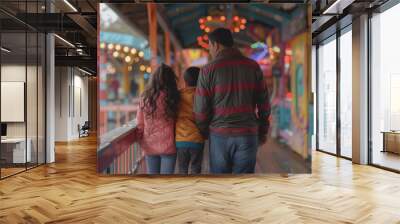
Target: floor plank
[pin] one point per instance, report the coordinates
(70, 191)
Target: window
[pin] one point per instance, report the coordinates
(327, 96)
(346, 93)
(385, 89)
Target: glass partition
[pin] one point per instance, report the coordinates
(327, 96)
(385, 89)
(13, 117)
(22, 90)
(346, 93)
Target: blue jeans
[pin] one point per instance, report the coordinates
(189, 157)
(233, 154)
(161, 164)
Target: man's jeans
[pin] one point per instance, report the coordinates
(163, 164)
(233, 154)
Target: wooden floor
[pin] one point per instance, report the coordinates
(387, 159)
(10, 171)
(70, 191)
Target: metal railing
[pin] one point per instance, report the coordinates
(122, 114)
(119, 152)
(115, 114)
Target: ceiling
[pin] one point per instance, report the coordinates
(75, 22)
(183, 18)
(326, 24)
(80, 27)
(78, 24)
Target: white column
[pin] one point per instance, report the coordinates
(314, 90)
(50, 92)
(360, 90)
(50, 100)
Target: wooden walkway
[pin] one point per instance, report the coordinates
(70, 191)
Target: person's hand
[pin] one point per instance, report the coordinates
(262, 134)
(262, 139)
(204, 134)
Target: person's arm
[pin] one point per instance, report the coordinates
(263, 106)
(202, 104)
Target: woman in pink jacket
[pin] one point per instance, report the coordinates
(156, 121)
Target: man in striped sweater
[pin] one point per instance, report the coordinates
(231, 106)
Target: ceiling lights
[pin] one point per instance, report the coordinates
(128, 55)
(70, 5)
(141, 54)
(65, 41)
(209, 23)
(5, 50)
(84, 71)
(337, 7)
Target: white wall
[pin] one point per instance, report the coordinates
(12, 73)
(33, 127)
(61, 103)
(16, 73)
(71, 94)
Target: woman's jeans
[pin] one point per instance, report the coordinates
(233, 154)
(161, 164)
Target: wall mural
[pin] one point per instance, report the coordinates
(299, 106)
(275, 39)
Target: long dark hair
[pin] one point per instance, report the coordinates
(162, 80)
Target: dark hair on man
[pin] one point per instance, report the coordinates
(191, 75)
(222, 36)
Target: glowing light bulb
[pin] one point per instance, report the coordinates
(207, 30)
(110, 46)
(117, 47)
(244, 21)
(148, 69)
(126, 49)
(222, 18)
(115, 54)
(141, 54)
(276, 49)
(236, 29)
(236, 18)
(133, 51)
(128, 59)
(142, 68)
(102, 45)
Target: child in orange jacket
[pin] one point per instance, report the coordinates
(189, 141)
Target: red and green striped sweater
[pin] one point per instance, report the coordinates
(231, 96)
